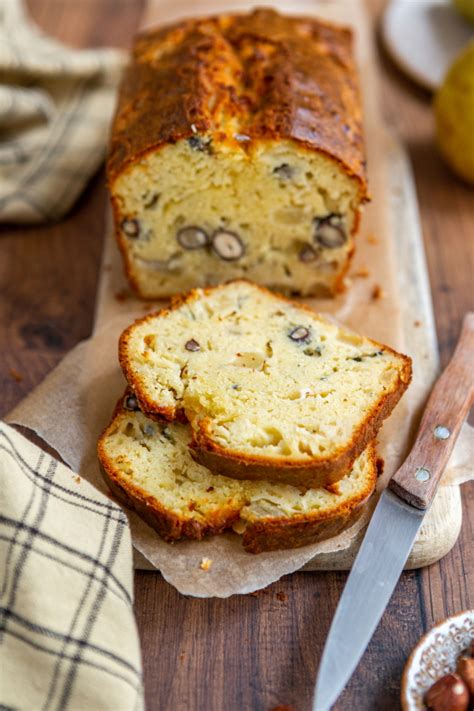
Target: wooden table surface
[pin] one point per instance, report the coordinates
(254, 652)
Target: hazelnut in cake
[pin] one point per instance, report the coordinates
(271, 389)
(237, 151)
(148, 465)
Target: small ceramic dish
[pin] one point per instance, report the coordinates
(434, 656)
(424, 37)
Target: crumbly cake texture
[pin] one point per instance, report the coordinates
(237, 151)
(148, 466)
(271, 389)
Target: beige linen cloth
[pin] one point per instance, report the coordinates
(55, 109)
(68, 638)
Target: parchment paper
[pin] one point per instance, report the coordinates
(72, 406)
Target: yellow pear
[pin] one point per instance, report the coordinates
(454, 113)
(465, 8)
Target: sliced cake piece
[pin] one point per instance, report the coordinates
(148, 466)
(271, 389)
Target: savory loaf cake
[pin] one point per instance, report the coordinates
(237, 151)
(271, 389)
(148, 465)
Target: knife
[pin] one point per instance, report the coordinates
(395, 523)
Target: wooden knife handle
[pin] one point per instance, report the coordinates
(417, 479)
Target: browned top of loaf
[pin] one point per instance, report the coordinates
(260, 75)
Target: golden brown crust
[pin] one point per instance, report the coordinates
(169, 525)
(242, 466)
(260, 535)
(270, 76)
(239, 465)
(270, 535)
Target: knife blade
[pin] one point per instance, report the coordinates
(395, 524)
(377, 567)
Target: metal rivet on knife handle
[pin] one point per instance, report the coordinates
(442, 432)
(422, 474)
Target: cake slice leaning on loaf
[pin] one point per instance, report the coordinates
(148, 466)
(271, 389)
(237, 151)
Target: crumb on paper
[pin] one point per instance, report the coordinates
(15, 375)
(372, 239)
(362, 273)
(377, 292)
(122, 295)
(77, 479)
(281, 596)
(205, 563)
(417, 324)
(238, 526)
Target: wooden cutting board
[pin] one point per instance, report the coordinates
(410, 313)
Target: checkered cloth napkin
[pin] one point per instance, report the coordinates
(68, 639)
(55, 108)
